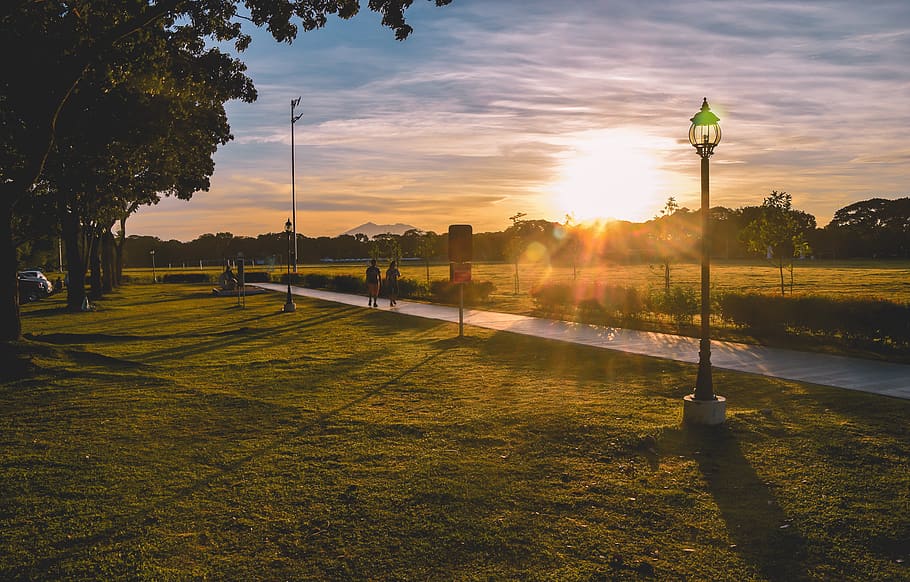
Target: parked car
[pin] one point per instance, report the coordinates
(32, 289)
(41, 278)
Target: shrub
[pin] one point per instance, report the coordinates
(553, 297)
(186, 278)
(349, 284)
(475, 292)
(295, 278)
(256, 277)
(868, 320)
(680, 303)
(317, 281)
(590, 300)
(411, 288)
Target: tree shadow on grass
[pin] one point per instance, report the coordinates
(763, 533)
(127, 527)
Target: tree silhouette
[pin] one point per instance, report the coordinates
(779, 232)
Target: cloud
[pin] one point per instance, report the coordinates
(472, 116)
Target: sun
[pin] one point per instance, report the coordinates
(609, 174)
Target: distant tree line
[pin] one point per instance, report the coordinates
(875, 228)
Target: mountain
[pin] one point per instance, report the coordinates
(371, 229)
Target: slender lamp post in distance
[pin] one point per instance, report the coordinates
(154, 278)
(289, 302)
(705, 407)
(294, 119)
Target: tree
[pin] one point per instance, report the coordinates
(571, 233)
(668, 234)
(516, 245)
(69, 42)
(388, 245)
(425, 246)
(779, 232)
(873, 228)
(150, 132)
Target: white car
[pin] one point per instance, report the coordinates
(39, 277)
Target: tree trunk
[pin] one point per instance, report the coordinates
(108, 273)
(75, 287)
(94, 260)
(780, 266)
(119, 243)
(10, 322)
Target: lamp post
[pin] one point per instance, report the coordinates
(704, 407)
(289, 302)
(154, 278)
(294, 119)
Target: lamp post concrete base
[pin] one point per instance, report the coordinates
(290, 307)
(704, 412)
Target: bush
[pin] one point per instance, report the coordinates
(256, 277)
(553, 297)
(349, 284)
(294, 278)
(186, 278)
(317, 281)
(869, 320)
(475, 292)
(680, 303)
(411, 288)
(590, 300)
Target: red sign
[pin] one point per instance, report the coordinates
(461, 272)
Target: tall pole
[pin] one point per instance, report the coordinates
(294, 118)
(704, 384)
(703, 406)
(289, 305)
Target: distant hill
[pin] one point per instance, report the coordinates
(371, 229)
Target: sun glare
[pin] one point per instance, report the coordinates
(610, 174)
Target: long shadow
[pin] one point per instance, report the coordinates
(763, 533)
(122, 529)
(231, 336)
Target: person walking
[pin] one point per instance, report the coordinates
(391, 283)
(373, 277)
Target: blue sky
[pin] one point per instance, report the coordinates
(494, 107)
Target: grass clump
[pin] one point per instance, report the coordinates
(173, 435)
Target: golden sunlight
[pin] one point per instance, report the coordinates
(610, 174)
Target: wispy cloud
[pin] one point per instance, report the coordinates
(473, 117)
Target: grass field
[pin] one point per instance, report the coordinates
(170, 435)
(861, 279)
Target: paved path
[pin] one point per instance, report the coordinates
(852, 373)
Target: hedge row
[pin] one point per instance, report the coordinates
(609, 302)
(407, 288)
(870, 320)
(475, 292)
(248, 277)
(857, 320)
(186, 278)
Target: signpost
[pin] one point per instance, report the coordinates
(241, 277)
(461, 250)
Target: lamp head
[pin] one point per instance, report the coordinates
(287, 226)
(704, 133)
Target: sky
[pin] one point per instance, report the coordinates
(554, 108)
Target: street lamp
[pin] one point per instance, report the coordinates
(704, 407)
(294, 119)
(289, 302)
(154, 278)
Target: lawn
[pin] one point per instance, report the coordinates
(885, 279)
(173, 435)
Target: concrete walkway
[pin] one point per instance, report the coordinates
(842, 372)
